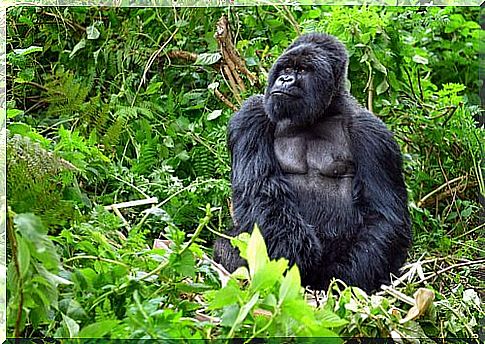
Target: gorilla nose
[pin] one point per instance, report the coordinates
(285, 79)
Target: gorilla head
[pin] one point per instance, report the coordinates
(304, 80)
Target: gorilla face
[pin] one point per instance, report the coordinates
(304, 80)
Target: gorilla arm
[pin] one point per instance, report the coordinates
(379, 191)
(262, 195)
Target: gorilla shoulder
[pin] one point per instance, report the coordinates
(250, 113)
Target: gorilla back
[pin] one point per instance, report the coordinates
(320, 175)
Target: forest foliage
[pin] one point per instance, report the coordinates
(112, 105)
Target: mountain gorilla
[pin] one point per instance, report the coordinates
(320, 175)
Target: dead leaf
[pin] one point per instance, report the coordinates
(423, 299)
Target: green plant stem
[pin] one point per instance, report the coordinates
(419, 84)
(100, 298)
(222, 235)
(132, 185)
(264, 328)
(203, 223)
(166, 200)
(470, 231)
(209, 148)
(13, 245)
(96, 258)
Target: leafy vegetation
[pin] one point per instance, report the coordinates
(107, 106)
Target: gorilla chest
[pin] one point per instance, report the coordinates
(318, 154)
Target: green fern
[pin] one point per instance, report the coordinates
(66, 95)
(112, 136)
(37, 180)
(202, 162)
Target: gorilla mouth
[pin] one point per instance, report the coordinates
(284, 94)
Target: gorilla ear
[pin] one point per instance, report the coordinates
(340, 71)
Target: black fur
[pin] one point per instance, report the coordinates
(320, 175)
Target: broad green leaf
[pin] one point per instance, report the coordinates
(54, 279)
(257, 256)
(273, 23)
(241, 242)
(323, 332)
(291, 285)
(376, 64)
(11, 113)
(45, 252)
(269, 274)
(37, 316)
(229, 316)
(214, 114)
(71, 325)
(241, 273)
(206, 59)
(298, 308)
(382, 87)
(185, 264)
(329, 319)
(420, 59)
(184, 156)
(27, 131)
(466, 212)
(153, 87)
(270, 300)
(472, 25)
(98, 329)
(23, 256)
(34, 232)
(225, 297)
(44, 293)
(244, 310)
(92, 32)
(29, 225)
(314, 13)
(365, 37)
(27, 51)
(73, 309)
(85, 277)
(80, 45)
(25, 75)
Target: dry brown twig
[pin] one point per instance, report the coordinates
(454, 266)
(232, 64)
(424, 201)
(232, 83)
(182, 54)
(192, 57)
(229, 52)
(225, 100)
